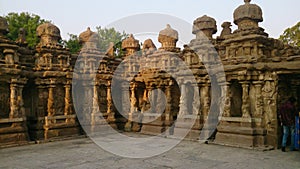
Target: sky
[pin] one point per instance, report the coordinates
(75, 16)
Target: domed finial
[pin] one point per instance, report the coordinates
(247, 16)
(168, 37)
(49, 34)
(3, 26)
(206, 25)
(130, 45)
(87, 35)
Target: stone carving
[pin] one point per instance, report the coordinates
(22, 36)
(59, 102)
(254, 66)
(247, 16)
(110, 50)
(130, 45)
(245, 100)
(88, 39)
(3, 27)
(206, 25)
(269, 93)
(148, 47)
(49, 35)
(226, 29)
(4, 101)
(168, 38)
(226, 99)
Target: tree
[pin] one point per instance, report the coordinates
(291, 35)
(27, 21)
(72, 43)
(108, 35)
(105, 37)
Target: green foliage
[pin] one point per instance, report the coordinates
(27, 21)
(291, 35)
(107, 35)
(72, 43)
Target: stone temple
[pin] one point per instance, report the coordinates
(240, 79)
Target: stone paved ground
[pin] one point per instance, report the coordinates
(84, 154)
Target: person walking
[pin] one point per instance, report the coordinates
(287, 117)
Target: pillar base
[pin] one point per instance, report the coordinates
(56, 126)
(240, 133)
(188, 127)
(13, 132)
(153, 124)
(128, 126)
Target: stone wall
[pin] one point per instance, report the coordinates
(260, 73)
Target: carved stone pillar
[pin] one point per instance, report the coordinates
(110, 112)
(19, 109)
(95, 100)
(182, 102)
(245, 100)
(160, 100)
(146, 105)
(206, 100)
(95, 106)
(67, 100)
(195, 101)
(258, 99)
(133, 100)
(21, 102)
(152, 99)
(68, 104)
(50, 103)
(41, 106)
(145, 95)
(168, 111)
(125, 97)
(13, 101)
(226, 99)
(88, 101)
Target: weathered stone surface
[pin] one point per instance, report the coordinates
(49, 34)
(168, 38)
(247, 16)
(130, 45)
(21, 37)
(259, 74)
(206, 25)
(84, 153)
(3, 27)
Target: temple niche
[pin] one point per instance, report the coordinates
(256, 76)
(13, 129)
(154, 95)
(52, 114)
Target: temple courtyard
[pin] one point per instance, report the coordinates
(224, 89)
(83, 153)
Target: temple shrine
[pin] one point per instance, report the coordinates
(238, 79)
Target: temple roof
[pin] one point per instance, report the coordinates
(203, 23)
(3, 26)
(130, 42)
(87, 35)
(48, 29)
(248, 11)
(168, 32)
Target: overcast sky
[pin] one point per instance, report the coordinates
(75, 16)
